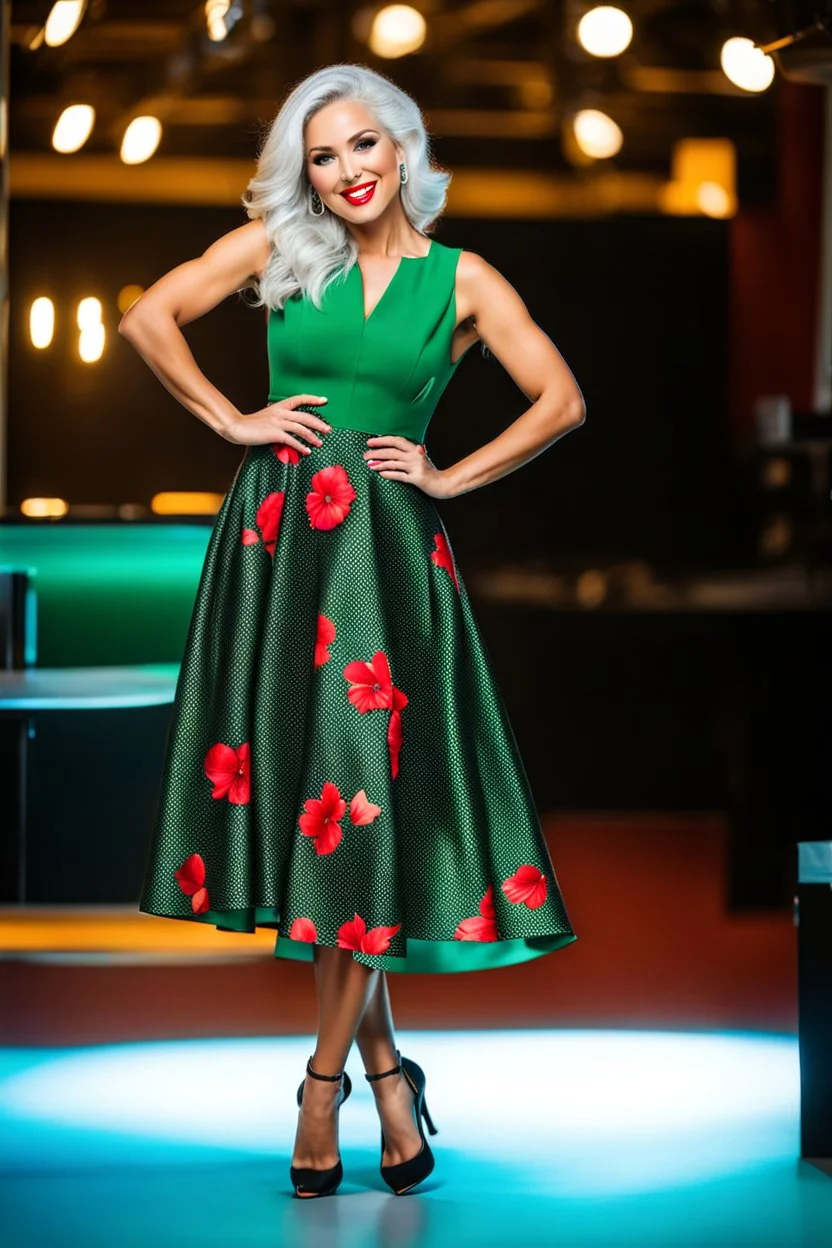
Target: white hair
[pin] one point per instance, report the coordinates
(308, 251)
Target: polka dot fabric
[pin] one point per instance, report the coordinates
(340, 765)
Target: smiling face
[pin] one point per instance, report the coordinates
(346, 148)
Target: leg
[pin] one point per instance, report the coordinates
(394, 1096)
(343, 988)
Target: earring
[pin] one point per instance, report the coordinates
(316, 204)
(403, 174)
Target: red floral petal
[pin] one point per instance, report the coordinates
(381, 669)
(399, 699)
(229, 771)
(250, 537)
(240, 790)
(364, 698)
(359, 673)
(286, 454)
(325, 634)
(476, 928)
(326, 629)
(303, 929)
(363, 811)
(395, 738)
(199, 901)
(377, 940)
(443, 558)
(268, 517)
(527, 887)
(328, 837)
(487, 903)
(191, 875)
(351, 934)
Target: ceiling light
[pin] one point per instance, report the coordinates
(596, 134)
(397, 29)
(41, 322)
(141, 138)
(63, 21)
(73, 127)
(605, 31)
(746, 65)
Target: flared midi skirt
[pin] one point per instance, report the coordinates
(339, 764)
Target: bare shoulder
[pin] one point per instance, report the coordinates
(479, 286)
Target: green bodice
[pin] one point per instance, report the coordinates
(382, 375)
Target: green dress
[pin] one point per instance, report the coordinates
(340, 765)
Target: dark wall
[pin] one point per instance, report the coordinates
(636, 306)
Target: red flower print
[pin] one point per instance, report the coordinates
(443, 558)
(482, 926)
(191, 879)
(285, 453)
(303, 929)
(362, 811)
(527, 885)
(321, 818)
(354, 935)
(328, 502)
(395, 738)
(372, 689)
(229, 771)
(371, 686)
(326, 634)
(268, 518)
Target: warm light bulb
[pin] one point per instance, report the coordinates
(91, 343)
(63, 21)
(397, 30)
(40, 507)
(73, 127)
(746, 65)
(89, 313)
(605, 31)
(41, 322)
(714, 199)
(141, 139)
(596, 134)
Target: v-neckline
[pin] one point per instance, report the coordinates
(369, 316)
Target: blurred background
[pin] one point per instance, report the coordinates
(656, 181)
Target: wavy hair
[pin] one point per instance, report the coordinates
(309, 252)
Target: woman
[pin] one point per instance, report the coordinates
(340, 765)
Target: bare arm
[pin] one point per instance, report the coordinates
(531, 359)
(182, 295)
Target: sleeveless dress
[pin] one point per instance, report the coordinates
(339, 764)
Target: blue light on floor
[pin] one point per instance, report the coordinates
(585, 1126)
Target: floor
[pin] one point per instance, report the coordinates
(554, 1137)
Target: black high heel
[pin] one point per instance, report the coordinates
(406, 1174)
(306, 1180)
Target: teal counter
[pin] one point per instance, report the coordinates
(109, 593)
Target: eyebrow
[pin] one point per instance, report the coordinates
(323, 147)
